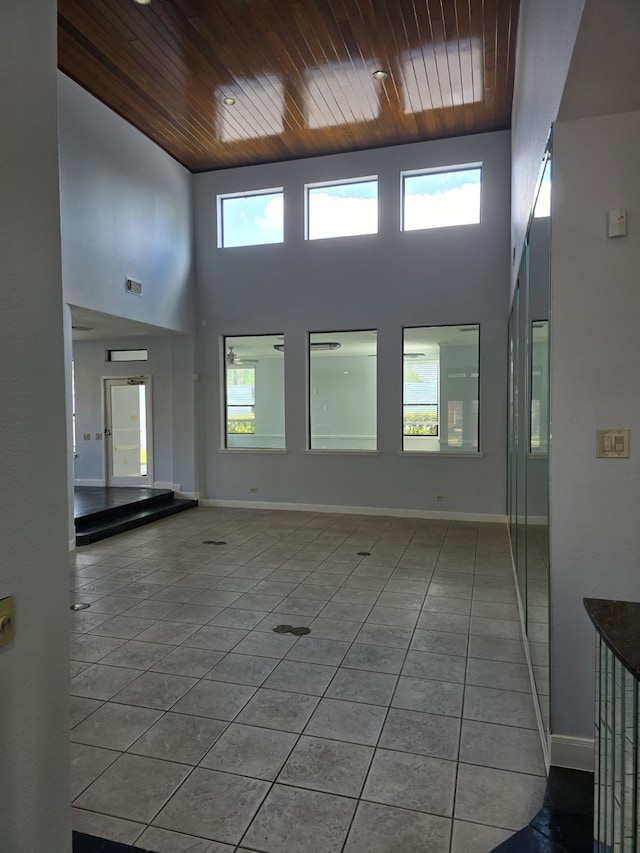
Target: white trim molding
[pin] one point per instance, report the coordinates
(358, 510)
(99, 483)
(174, 487)
(72, 544)
(578, 753)
(190, 496)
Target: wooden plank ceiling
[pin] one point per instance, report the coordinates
(299, 72)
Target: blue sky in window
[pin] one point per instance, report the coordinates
(343, 210)
(543, 202)
(434, 200)
(253, 220)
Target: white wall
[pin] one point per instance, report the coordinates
(34, 668)
(384, 281)
(126, 212)
(546, 36)
(343, 402)
(595, 353)
(170, 366)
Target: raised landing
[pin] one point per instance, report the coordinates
(565, 822)
(100, 512)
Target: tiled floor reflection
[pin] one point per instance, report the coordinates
(403, 722)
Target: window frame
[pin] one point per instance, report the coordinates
(442, 411)
(319, 185)
(330, 335)
(438, 170)
(110, 352)
(436, 434)
(228, 406)
(222, 197)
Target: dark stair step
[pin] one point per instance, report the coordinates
(122, 502)
(120, 519)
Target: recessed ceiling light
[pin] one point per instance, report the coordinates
(142, 2)
(229, 101)
(380, 75)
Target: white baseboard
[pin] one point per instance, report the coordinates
(88, 482)
(191, 496)
(578, 753)
(72, 544)
(174, 487)
(358, 510)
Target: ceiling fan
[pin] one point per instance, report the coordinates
(234, 360)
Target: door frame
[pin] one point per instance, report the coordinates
(135, 482)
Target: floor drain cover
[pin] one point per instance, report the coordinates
(213, 542)
(80, 606)
(364, 553)
(289, 629)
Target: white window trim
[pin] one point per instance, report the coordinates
(437, 170)
(343, 182)
(222, 197)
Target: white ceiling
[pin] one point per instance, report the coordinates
(93, 326)
(605, 66)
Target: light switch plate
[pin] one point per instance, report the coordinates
(612, 444)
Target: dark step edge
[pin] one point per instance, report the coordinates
(83, 843)
(132, 521)
(122, 509)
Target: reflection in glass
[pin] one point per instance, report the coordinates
(342, 210)
(337, 95)
(261, 96)
(528, 465)
(254, 392)
(539, 386)
(423, 68)
(342, 391)
(440, 388)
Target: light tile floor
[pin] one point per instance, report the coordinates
(403, 722)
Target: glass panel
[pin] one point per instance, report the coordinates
(440, 388)
(512, 425)
(537, 463)
(436, 199)
(342, 390)
(251, 220)
(522, 434)
(254, 391)
(342, 210)
(127, 355)
(128, 431)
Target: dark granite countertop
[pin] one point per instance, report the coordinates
(618, 623)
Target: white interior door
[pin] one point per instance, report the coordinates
(128, 431)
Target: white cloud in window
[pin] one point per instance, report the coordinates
(335, 216)
(455, 206)
(270, 223)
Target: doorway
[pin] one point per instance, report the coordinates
(128, 431)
